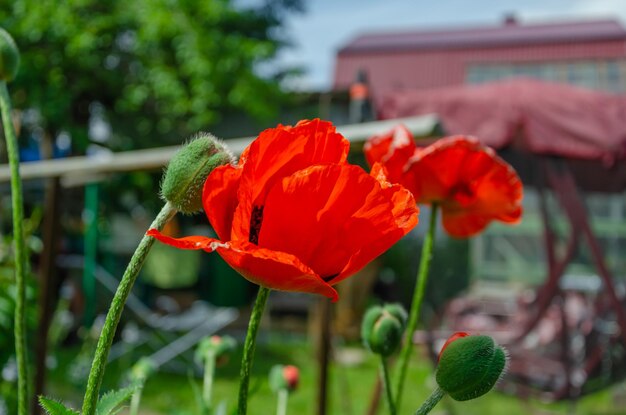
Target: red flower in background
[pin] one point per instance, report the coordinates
(293, 215)
(468, 180)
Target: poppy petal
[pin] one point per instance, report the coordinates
(470, 182)
(280, 152)
(455, 336)
(219, 198)
(433, 172)
(405, 214)
(188, 242)
(274, 269)
(393, 149)
(335, 218)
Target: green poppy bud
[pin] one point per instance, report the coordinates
(141, 370)
(383, 327)
(220, 346)
(470, 366)
(187, 171)
(284, 377)
(9, 57)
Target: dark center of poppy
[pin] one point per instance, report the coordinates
(256, 218)
(327, 279)
(463, 193)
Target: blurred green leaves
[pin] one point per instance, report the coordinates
(161, 68)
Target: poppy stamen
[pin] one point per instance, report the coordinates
(256, 218)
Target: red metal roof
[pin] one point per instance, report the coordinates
(553, 119)
(510, 34)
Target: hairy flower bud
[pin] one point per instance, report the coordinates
(470, 366)
(284, 377)
(9, 57)
(141, 370)
(383, 327)
(219, 346)
(187, 171)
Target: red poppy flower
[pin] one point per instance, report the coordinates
(469, 181)
(293, 215)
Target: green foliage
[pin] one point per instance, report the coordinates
(161, 69)
(53, 407)
(111, 402)
(9, 57)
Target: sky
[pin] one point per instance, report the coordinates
(327, 25)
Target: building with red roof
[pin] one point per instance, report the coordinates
(585, 53)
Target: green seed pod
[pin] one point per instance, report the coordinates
(470, 366)
(9, 57)
(186, 173)
(382, 328)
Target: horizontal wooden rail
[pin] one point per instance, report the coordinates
(92, 168)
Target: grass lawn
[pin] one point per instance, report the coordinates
(350, 387)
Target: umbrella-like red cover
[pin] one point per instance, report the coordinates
(539, 117)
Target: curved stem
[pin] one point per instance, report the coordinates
(249, 347)
(20, 251)
(431, 402)
(115, 312)
(387, 385)
(416, 304)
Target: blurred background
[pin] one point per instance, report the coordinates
(107, 89)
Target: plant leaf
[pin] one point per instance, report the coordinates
(53, 407)
(110, 403)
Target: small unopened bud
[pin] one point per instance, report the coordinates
(383, 327)
(218, 346)
(141, 370)
(284, 377)
(470, 366)
(9, 57)
(187, 171)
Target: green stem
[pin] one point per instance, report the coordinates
(387, 385)
(431, 402)
(115, 312)
(20, 251)
(209, 372)
(283, 397)
(416, 304)
(248, 348)
(135, 400)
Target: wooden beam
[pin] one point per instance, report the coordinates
(73, 168)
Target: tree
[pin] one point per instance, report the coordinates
(156, 70)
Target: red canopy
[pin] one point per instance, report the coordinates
(539, 117)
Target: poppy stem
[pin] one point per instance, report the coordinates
(20, 251)
(249, 347)
(431, 402)
(209, 373)
(115, 311)
(416, 304)
(387, 384)
(283, 397)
